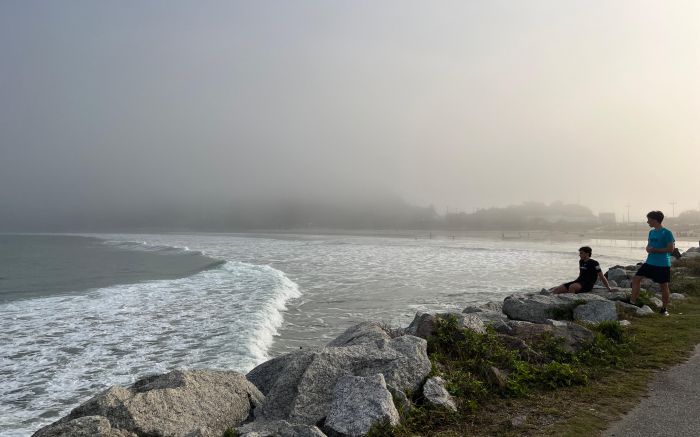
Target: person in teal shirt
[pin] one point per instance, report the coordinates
(658, 265)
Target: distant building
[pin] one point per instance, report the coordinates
(607, 218)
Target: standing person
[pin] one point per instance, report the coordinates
(658, 265)
(589, 272)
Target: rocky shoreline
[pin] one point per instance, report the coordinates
(364, 377)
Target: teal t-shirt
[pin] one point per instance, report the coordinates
(658, 240)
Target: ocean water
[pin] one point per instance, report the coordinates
(81, 313)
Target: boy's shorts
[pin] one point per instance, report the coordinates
(658, 274)
(585, 287)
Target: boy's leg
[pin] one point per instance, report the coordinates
(563, 288)
(559, 290)
(665, 293)
(575, 287)
(636, 286)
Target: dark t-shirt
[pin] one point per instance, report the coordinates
(588, 271)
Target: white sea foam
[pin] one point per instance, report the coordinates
(149, 247)
(59, 351)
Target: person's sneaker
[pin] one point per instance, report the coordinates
(663, 312)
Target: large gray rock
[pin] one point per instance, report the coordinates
(621, 294)
(484, 307)
(595, 312)
(538, 308)
(617, 275)
(196, 402)
(650, 285)
(88, 426)
(490, 317)
(435, 393)
(299, 386)
(364, 332)
(358, 403)
(533, 308)
(424, 325)
(278, 428)
(582, 297)
(693, 252)
(574, 335)
(627, 309)
(488, 313)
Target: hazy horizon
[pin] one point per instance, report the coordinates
(112, 107)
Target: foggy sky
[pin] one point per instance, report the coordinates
(116, 105)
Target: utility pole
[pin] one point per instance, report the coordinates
(673, 210)
(628, 213)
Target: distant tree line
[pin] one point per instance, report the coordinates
(380, 213)
(526, 216)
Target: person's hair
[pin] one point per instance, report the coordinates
(586, 249)
(656, 215)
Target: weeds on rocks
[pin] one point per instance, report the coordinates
(690, 266)
(466, 360)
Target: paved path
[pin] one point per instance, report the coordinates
(672, 408)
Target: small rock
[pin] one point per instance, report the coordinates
(524, 350)
(656, 302)
(644, 311)
(677, 296)
(435, 393)
(278, 428)
(401, 401)
(625, 323)
(518, 421)
(496, 377)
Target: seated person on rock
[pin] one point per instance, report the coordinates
(589, 272)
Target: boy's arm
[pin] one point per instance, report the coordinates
(604, 280)
(668, 249)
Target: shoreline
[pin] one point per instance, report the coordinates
(420, 413)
